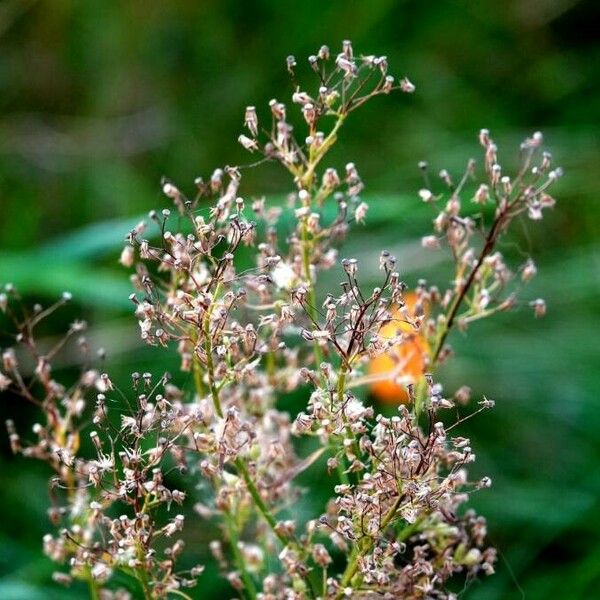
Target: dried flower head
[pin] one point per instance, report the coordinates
(395, 525)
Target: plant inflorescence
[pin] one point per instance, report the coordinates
(248, 333)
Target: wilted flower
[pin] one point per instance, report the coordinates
(250, 329)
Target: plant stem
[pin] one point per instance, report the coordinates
(341, 388)
(358, 552)
(239, 463)
(490, 242)
(241, 467)
(420, 394)
(210, 367)
(312, 308)
(306, 180)
(198, 384)
(249, 587)
(94, 589)
(141, 574)
(260, 503)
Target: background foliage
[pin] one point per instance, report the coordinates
(99, 99)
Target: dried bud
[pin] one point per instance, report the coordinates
(430, 242)
(529, 271)
(539, 307)
(360, 212)
(127, 256)
(484, 138)
(426, 195)
(350, 266)
(347, 49)
(407, 86)
(321, 556)
(251, 120)
(346, 65)
(170, 191)
(482, 194)
(248, 143)
(388, 84)
(290, 62)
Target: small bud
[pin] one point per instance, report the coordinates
(484, 137)
(170, 191)
(361, 212)
(346, 65)
(347, 48)
(430, 242)
(331, 179)
(445, 177)
(426, 195)
(321, 556)
(127, 256)
(248, 143)
(290, 62)
(350, 266)
(388, 84)
(529, 271)
(539, 307)
(485, 482)
(482, 194)
(463, 395)
(62, 578)
(487, 403)
(309, 113)
(251, 120)
(96, 440)
(9, 360)
(407, 86)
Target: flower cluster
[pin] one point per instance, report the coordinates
(105, 492)
(230, 285)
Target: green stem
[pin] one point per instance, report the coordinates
(196, 366)
(311, 297)
(210, 366)
(420, 395)
(249, 587)
(341, 385)
(199, 385)
(271, 365)
(269, 517)
(260, 503)
(307, 177)
(94, 589)
(144, 583)
(239, 463)
(490, 242)
(341, 388)
(342, 473)
(306, 181)
(358, 552)
(141, 574)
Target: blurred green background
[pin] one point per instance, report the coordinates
(100, 99)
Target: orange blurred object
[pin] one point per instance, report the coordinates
(404, 363)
